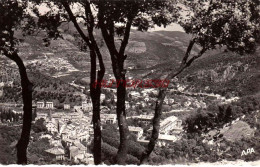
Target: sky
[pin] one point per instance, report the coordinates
(172, 27)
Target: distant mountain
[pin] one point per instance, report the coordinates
(222, 72)
(63, 58)
(150, 55)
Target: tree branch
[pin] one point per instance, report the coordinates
(187, 54)
(126, 36)
(73, 19)
(108, 40)
(90, 26)
(158, 107)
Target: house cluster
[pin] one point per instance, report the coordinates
(170, 129)
(61, 116)
(85, 106)
(58, 65)
(71, 129)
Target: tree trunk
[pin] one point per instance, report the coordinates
(121, 117)
(117, 59)
(96, 125)
(95, 91)
(27, 108)
(156, 127)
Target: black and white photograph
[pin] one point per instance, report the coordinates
(130, 82)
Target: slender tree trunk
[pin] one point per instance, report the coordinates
(123, 127)
(156, 127)
(97, 126)
(27, 108)
(95, 91)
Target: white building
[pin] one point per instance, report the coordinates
(66, 106)
(138, 131)
(169, 124)
(108, 118)
(40, 104)
(41, 115)
(56, 153)
(49, 105)
(52, 127)
(165, 140)
(86, 105)
(134, 94)
(146, 119)
(146, 99)
(102, 97)
(127, 105)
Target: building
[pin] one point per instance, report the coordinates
(40, 104)
(75, 115)
(165, 140)
(77, 151)
(146, 99)
(56, 142)
(168, 100)
(56, 153)
(86, 105)
(134, 94)
(17, 111)
(49, 105)
(102, 97)
(127, 105)
(1, 92)
(66, 106)
(146, 119)
(138, 131)
(170, 124)
(145, 142)
(108, 118)
(41, 115)
(52, 127)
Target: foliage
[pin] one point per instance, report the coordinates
(110, 137)
(7, 114)
(215, 23)
(8, 135)
(243, 83)
(39, 126)
(45, 88)
(36, 149)
(216, 116)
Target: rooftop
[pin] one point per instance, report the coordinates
(145, 117)
(109, 116)
(167, 137)
(55, 151)
(132, 128)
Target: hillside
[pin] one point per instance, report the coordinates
(63, 58)
(238, 75)
(45, 88)
(225, 73)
